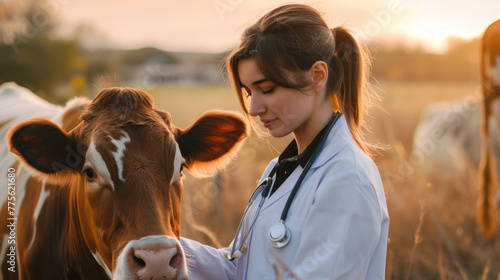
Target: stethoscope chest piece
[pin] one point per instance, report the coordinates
(279, 235)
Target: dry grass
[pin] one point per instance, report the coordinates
(433, 234)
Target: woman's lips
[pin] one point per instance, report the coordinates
(268, 122)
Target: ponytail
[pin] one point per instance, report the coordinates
(348, 83)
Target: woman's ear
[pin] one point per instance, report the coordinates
(319, 74)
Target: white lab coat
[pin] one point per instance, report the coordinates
(338, 221)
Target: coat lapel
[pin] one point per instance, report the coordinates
(284, 190)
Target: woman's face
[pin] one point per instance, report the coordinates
(281, 110)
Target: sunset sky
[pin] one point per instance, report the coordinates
(215, 25)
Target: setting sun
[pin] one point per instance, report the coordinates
(432, 24)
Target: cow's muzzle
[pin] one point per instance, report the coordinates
(151, 257)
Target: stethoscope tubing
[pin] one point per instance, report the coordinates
(267, 187)
(309, 163)
(264, 193)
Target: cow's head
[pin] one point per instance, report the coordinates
(124, 163)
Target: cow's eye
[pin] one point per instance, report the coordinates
(182, 168)
(90, 173)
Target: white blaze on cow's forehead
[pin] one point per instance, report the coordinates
(118, 155)
(178, 161)
(94, 159)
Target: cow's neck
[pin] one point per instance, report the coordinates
(76, 248)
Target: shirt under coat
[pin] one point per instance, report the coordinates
(338, 222)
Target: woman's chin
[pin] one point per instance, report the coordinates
(277, 133)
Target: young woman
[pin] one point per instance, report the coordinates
(320, 210)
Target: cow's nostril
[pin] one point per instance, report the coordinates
(176, 261)
(138, 261)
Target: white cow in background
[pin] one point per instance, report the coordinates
(447, 138)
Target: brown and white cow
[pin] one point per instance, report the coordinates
(97, 192)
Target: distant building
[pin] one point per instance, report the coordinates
(176, 68)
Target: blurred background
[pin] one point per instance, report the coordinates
(423, 52)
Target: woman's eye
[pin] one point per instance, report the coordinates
(268, 91)
(90, 173)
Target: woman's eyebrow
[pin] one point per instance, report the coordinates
(260, 81)
(256, 82)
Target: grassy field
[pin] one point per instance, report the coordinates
(433, 234)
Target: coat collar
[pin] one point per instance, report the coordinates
(338, 138)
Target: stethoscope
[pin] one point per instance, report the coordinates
(279, 233)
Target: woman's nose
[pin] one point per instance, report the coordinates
(256, 107)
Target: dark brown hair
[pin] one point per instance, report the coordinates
(292, 38)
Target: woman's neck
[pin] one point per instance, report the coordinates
(306, 133)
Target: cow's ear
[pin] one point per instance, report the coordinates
(44, 146)
(211, 141)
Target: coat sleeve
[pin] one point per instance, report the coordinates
(341, 231)
(205, 262)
